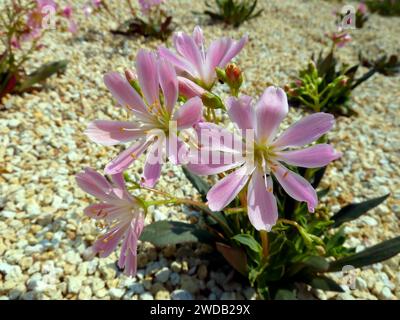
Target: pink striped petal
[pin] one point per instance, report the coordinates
(98, 210)
(296, 186)
(109, 241)
(178, 61)
(270, 110)
(123, 92)
(305, 130)
(189, 89)
(216, 138)
(128, 256)
(95, 184)
(225, 190)
(169, 84)
(189, 114)
(125, 158)
(206, 162)
(241, 112)
(109, 133)
(216, 52)
(152, 167)
(185, 46)
(233, 51)
(146, 67)
(315, 156)
(198, 36)
(261, 202)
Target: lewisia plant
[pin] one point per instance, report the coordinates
(22, 25)
(259, 203)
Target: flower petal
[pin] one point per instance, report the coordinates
(95, 184)
(169, 84)
(152, 167)
(315, 156)
(178, 61)
(241, 112)
(189, 89)
(270, 110)
(109, 241)
(185, 46)
(207, 162)
(234, 49)
(189, 113)
(296, 186)
(125, 158)
(306, 130)
(109, 133)
(123, 92)
(261, 202)
(225, 190)
(128, 256)
(146, 67)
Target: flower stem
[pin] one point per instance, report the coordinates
(264, 243)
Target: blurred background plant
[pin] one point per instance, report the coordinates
(23, 24)
(326, 84)
(154, 22)
(233, 12)
(360, 17)
(384, 7)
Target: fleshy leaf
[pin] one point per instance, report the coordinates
(236, 257)
(164, 233)
(374, 254)
(248, 241)
(323, 283)
(355, 210)
(42, 74)
(198, 183)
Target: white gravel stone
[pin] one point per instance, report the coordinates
(181, 295)
(116, 293)
(163, 275)
(146, 296)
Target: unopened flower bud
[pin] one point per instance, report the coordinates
(344, 81)
(221, 74)
(132, 79)
(189, 89)
(130, 75)
(212, 101)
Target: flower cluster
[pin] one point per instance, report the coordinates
(22, 26)
(175, 119)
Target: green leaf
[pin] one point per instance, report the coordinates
(236, 257)
(248, 241)
(198, 183)
(316, 263)
(323, 283)
(285, 294)
(309, 264)
(354, 210)
(42, 74)
(377, 253)
(164, 233)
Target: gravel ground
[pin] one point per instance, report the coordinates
(43, 234)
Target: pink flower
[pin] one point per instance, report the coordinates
(67, 13)
(35, 20)
(151, 128)
(120, 211)
(96, 3)
(266, 153)
(193, 60)
(340, 39)
(362, 8)
(147, 5)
